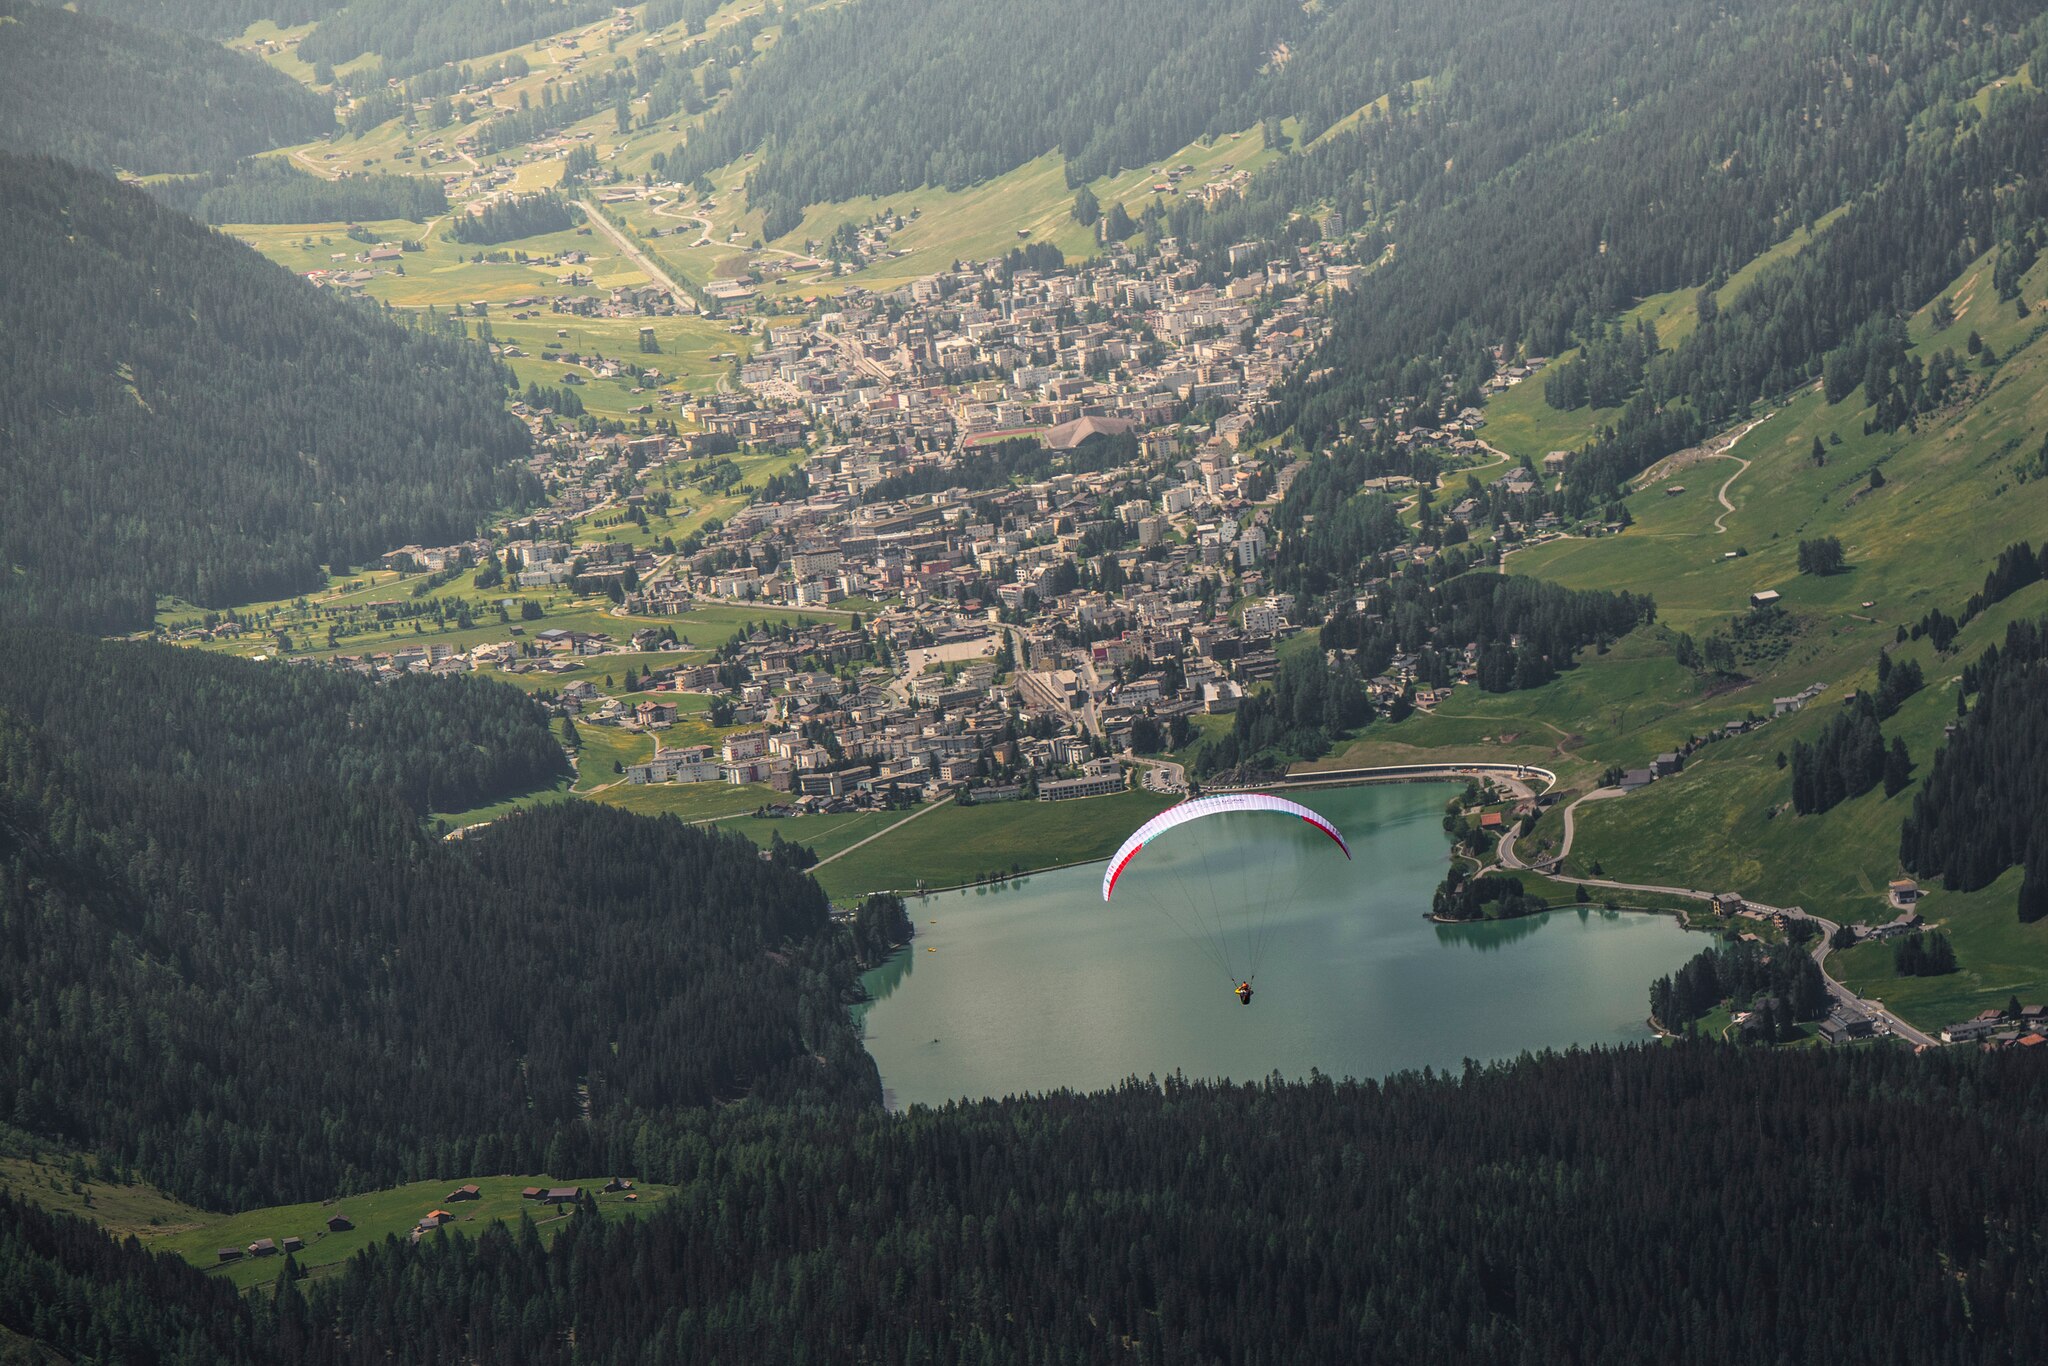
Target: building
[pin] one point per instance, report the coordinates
(1988, 1023)
(1767, 598)
(750, 744)
(1093, 785)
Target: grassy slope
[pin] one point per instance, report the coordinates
(68, 1184)
(1722, 823)
(377, 1215)
(1521, 423)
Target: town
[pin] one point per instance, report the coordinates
(1035, 481)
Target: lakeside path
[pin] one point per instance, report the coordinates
(1822, 943)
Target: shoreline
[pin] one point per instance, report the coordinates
(1402, 773)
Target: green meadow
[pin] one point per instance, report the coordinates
(959, 844)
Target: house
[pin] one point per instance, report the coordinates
(1838, 1029)
(339, 1223)
(1767, 598)
(1902, 892)
(1986, 1023)
(1635, 778)
(1904, 923)
(464, 1193)
(1664, 765)
(230, 1254)
(263, 1247)
(531, 1193)
(562, 1195)
(1489, 820)
(653, 713)
(617, 1184)
(293, 1243)
(1730, 903)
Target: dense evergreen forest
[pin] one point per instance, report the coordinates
(525, 215)
(193, 420)
(117, 97)
(270, 190)
(1984, 806)
(1581, 1208)
(234, 961)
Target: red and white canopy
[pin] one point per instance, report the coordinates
(1201, 807)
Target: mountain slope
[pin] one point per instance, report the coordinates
(192, 420)
(112, 96)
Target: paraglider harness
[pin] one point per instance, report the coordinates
(1244, 992)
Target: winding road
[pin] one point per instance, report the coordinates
(1822, 944)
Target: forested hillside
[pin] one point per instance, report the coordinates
(233, 961)
(958, 93)
(193, 420)
(115, 96)
(1560, 1209)
(417, 35)
(210, 18)
(1740, 129)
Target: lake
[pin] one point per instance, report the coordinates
(1038, 985)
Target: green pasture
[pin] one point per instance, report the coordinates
(955, 844)
(377, 1215)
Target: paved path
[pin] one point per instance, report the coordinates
(887, 829)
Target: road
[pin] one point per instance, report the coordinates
(1727, 452)
(1822, 943)
(632, 252)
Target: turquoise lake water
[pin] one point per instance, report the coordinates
(1038, 985)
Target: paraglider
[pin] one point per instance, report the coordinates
(1223, 871)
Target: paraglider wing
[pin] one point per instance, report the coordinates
(1210, 806)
